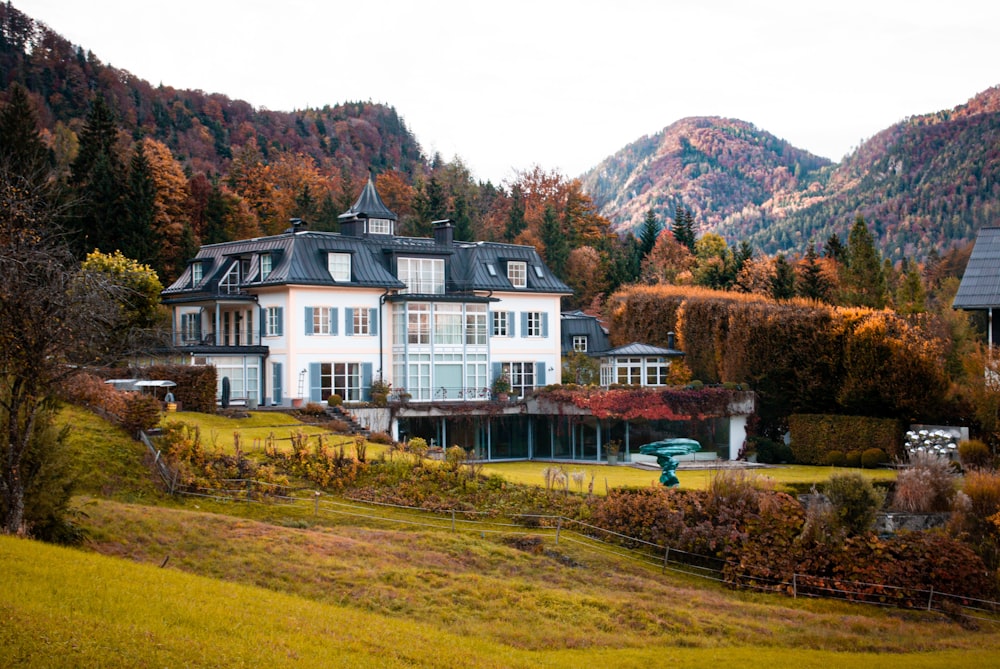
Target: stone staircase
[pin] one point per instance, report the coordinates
(353, 427)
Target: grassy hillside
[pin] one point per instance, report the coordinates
(270, 585)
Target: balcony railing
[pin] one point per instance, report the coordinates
(229, 339)
(445, 394)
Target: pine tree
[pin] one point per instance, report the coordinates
(139, 238)
(783, 281)
(813, 284)
(554, 239)
(834, 248)
(649, 234)
(864, 281)
(911, 297)
(21, 148)
(515, 217)
(684, 228)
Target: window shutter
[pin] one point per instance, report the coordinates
(497, 371)
(309, 320)
(263, 322)
(545, 324)
(280, 325)
(197, 325)
(373, 321)
(333, 320)
(276, 383)
(315, 383)
(539, 374)
(524, 323)
(510, 323)
(366, 381)
(349, 321)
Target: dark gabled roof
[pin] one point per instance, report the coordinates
(637, 349)
(369, 205)
(577, 323)
(980, 287)
(300, 258)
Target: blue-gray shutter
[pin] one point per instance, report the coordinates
(349, 321)
(510, 323)
(524, 323)
(373, 321)
(315, 383)
(497, 371)
(366, 381)
(276, 383)
(280, 316)
(539, 374)
(197, 325)
(309, 320)
(263, 323)
(545, 324)
(333, 320)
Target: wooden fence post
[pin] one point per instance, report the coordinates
(930, 599)
(316, 503)
(666, 557)
(558, 529)
(453, 520)
(795, 586)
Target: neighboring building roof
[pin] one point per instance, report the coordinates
(636, 349)
(980, 287)
(369, 205)
(577, 323)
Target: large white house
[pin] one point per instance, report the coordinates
(304, 315)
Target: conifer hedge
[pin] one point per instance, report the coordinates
(814, 436)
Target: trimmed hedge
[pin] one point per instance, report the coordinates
(196, 384)
(814, 436)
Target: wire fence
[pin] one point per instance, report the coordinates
(591, 538)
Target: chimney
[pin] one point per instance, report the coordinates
(444, 233)
(670, 340)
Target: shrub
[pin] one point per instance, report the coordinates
(380, 399)
(335, 400)
(854, 502)
(380, 438)
(313, 409)
(852, 458)
(417, 446)
(926, 486)
(142, 412)
(835, 459)
(813, 436)
(974, 454)
(873, 457)
(772, 452)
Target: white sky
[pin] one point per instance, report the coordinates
(560, 83)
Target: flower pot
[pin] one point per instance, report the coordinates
(612, 459)
(296, 402)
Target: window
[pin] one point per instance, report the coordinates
(517, 274)
(475, 325)
(361, 321)
(521, 376)
(339, 266)
(538, 271)
(340, 378)
(418, 323)
(265, 265)
(501, 324)
(196, 274)
(231, 282)
(490, 269)
(535, 324)
(629, 371)
(656, 371)
(321, 321)
(424, 276)
(274, 321)
(580, 343)
(448, 324)
(191, 327)
(379, 226)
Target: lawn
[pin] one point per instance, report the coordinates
(618, 476)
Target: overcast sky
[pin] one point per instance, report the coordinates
(560, 83)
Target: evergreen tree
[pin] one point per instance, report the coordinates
(21, 148)
(812, 283)
(216, 214)
(834, 249)
(554, 239)
(649, 234)
(139, 239)
(783, 281)
(864, 281)
(684, 228)
(911, 297)
(462, 218)
(99, 178)
(515, 217)
(741, 254)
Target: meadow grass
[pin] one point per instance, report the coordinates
(620, 476)
(237, 592)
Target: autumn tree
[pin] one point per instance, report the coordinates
(170, 219)
(581, 277)
(670, 262)
(713, 266)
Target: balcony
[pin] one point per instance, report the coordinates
(239, 339)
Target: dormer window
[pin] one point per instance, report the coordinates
(231, 282)
(379, 226)
(517, 274)
(424, 276)
(265, 266)
(196, 274)
(339, 266)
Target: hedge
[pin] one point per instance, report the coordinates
(814, 436)
(196, 384)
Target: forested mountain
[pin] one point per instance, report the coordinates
(201, 129)
(927, 183)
